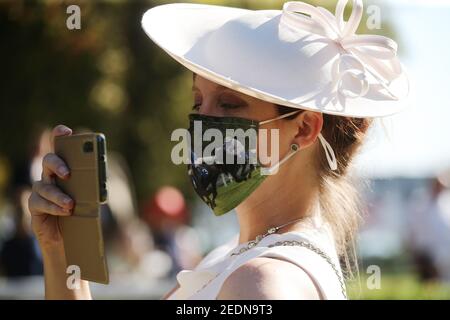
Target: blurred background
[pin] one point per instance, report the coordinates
(109, 77)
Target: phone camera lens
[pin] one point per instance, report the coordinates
(88, 147)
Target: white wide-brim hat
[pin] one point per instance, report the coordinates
(302, 56)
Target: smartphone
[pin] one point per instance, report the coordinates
(85, 156)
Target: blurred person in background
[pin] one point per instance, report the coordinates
(168, 216)
(428, 230)
(129, 243)
(19, 253)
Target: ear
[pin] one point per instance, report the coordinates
(309, 124)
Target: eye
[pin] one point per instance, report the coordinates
(230, 101)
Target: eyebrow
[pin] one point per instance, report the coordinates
(218, 87)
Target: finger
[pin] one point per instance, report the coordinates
(53, 194)
(53, 165)
(59, 130)
(40, 206)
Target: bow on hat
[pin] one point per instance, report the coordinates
(362, 54)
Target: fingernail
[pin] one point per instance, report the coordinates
(67, 200)
(63, 171)
(69, 211)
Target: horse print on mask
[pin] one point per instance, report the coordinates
(235, 167)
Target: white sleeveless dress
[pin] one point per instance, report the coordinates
(206, 279)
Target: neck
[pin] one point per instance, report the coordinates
(280, 199)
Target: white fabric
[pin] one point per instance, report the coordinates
(205, 281)
(375, 54)
(301, 56)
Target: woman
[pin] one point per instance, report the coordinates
(310, 77)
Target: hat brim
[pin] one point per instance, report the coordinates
(193, 35)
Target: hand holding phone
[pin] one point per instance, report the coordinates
(47, 201)
(85, 156)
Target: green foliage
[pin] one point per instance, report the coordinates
(107, 77)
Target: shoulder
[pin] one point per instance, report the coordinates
(268, 279)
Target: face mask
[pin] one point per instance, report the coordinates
(226, 170)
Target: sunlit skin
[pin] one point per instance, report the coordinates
(295, 184)
(289, 194)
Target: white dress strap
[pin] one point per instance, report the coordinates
(205, 281)
(320, 271)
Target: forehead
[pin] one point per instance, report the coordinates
(198, 80)
(202, 84)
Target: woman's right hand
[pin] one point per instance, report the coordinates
(47, 201)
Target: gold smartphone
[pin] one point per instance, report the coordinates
(85, 156)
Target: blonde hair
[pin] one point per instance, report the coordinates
(339, 196)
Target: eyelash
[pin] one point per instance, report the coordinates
(229, 106)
